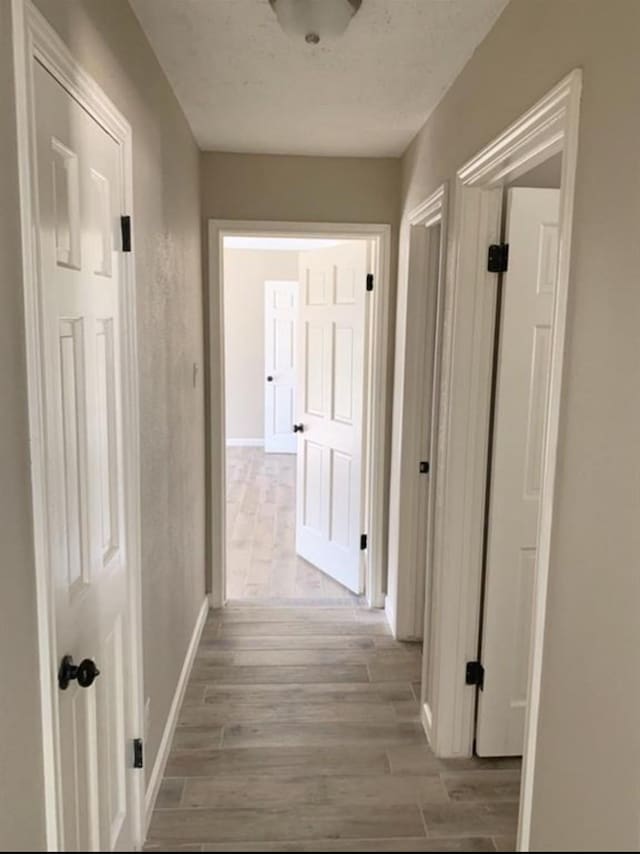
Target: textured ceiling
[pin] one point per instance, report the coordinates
(247, 87)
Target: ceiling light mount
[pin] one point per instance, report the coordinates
(315, 20)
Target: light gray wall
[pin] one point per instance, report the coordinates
(21, 783)
(587, 787)
(245, 272)
(106, 39)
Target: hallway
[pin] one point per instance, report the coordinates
(300, 732)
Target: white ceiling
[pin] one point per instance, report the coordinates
(247, 87)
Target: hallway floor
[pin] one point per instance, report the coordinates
(300, 732)
(261, 535)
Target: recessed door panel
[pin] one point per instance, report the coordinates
(107, 438)
(343, 373)
(80, 767)
(102, 224)
(314, 368)
(66, 204)
(538, 390)
(346, 284)
(340, 532)
(74, 438)
(314, 481)
(318, 284)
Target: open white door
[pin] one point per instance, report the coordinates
(520, 416)
(331, 369)
(79, 184)
(280, 314)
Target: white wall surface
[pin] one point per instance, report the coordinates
(245, 272)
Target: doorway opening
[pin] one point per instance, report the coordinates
(279, 387)
(300, 435)
(508, 439)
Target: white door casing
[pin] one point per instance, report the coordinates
(522, 386)
(79, 193)
(331, 371)
(280, 312)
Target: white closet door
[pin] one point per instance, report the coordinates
(79, 197)
(520, 416)
(280, 312)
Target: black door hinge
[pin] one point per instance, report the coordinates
(125, 228)
(138, 753)
(498, 258)
(369, 281)
(474, 674)
(363, 542)
(424, 467)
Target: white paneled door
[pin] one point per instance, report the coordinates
(280, 313)
(330, 422)
(79, 184)
(520, 416)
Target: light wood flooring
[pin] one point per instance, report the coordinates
(262, 563)
(300, 732)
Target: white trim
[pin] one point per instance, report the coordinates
(573, 92)
(245, 443)
(389, 613)
(377, 391)
(33, 37)
(417, 345)
(549, 127)
(157, 772)
(426, 719)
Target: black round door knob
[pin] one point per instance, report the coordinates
(86, 672)
(298, 428)
(269, 379)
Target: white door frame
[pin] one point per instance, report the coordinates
(376, 392)
(408, 538)
(551, 126)
(34, 37)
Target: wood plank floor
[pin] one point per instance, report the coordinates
(300, 732)
(261, 555)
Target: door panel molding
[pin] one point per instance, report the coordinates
(35, 40)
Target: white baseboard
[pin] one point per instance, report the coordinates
(245, 443)
(390, 615)
(214, 602)
(426, 719)
(157, 772)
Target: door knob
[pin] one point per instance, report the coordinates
(298, 428)
(269, 379)
(85, 672)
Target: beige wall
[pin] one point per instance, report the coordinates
(245, 272)
(21, 783)
(305, 189)
(587, 787)
(106, 39)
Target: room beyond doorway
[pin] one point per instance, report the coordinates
(262, 563)
(301, 361)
